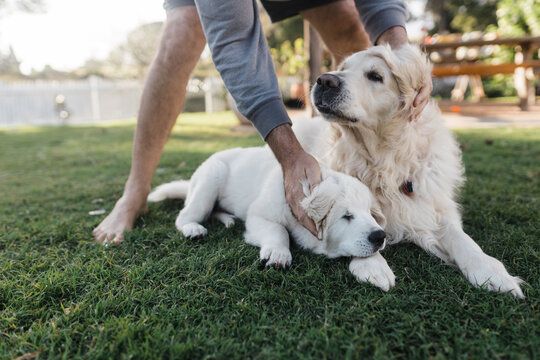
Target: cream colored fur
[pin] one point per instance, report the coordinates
(248, 184)
(368, 134)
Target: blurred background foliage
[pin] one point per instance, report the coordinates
(131, 58)
(502, 18)
(289, 58)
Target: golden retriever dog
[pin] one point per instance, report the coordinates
(248, 184)
(413, 167)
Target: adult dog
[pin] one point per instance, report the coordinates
(413, 167)
(248, 183)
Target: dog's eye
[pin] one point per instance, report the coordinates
(348, 216)
(374, 76)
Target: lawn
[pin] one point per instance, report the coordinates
(158, 295)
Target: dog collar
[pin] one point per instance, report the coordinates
(407, 188)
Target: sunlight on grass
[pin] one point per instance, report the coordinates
(158, 295)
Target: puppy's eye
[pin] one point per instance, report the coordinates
(348, 216)
(374, 76)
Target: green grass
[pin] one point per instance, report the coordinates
(159, 295)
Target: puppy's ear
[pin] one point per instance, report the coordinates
(318, 203)
(377, 213)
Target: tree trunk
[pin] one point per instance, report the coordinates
(313, 51)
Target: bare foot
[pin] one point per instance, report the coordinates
(122, 217)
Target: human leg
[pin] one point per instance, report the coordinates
(163, 96)
(338, 24)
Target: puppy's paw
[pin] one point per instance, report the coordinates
(489, 273)
(373, 269)
(278, 258)
(224, 218)
(193, 230)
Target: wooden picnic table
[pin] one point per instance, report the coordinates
(523, 66)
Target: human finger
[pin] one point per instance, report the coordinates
(423, 95)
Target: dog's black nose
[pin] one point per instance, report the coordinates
(328, 81)
(377, 237)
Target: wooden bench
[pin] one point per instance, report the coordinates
(523, 66)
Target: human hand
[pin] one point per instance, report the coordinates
(298, 166)
(422, 99)
(304, 167)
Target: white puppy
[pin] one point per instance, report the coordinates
(413, 168)
(248, 184)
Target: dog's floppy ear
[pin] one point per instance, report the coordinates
(412, 75)
(377, 213)
(411, 69)
(318, 202)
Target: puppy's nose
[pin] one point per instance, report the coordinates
(328, 81)
(377, 237)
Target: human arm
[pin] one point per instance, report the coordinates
(241, 55)
(296, 165)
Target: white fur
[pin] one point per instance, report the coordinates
(368, 134)
(374, 269)
(248, 183)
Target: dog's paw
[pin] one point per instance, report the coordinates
(224, 218)
(278, 258)
(373, 269)
(193, 230)
(489, 273)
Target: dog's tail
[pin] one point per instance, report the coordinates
(173, 190)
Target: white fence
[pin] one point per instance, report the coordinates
(90, 101)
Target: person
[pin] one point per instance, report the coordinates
(241, 55)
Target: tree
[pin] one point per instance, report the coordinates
(132, 58)
(289, 58)
(9, 64)
(462, 15)
(514, 18)
(518, 18)
(142, 44)
(288, 29)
